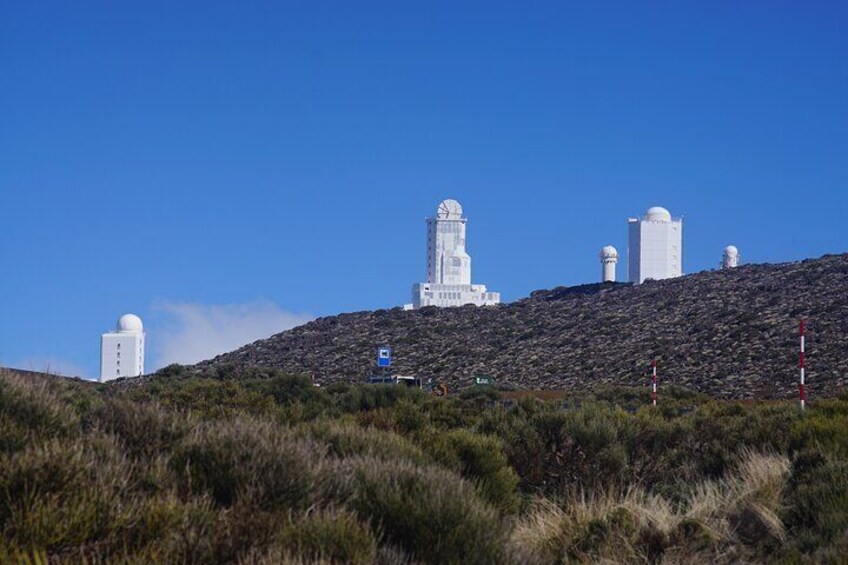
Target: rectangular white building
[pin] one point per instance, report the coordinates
(655, 246)
(122, 351)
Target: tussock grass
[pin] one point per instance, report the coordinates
(718, 523)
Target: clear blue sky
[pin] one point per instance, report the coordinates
(283, 155)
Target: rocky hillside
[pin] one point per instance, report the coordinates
(728, 333)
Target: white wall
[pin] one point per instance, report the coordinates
(445, 295)
(655, 249)
(447, 260)
(121, 355)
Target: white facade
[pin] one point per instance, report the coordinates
(655, 246)
(609, 258)
(448, 264)
(122, 351)
(730, 257)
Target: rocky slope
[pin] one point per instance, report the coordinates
(732, 334)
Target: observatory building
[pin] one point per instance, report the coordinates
(609, 258)
(449, 265)
(122, 351)
(730, 257)
(655, 246)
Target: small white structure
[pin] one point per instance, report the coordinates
(655, 246)
(609, 258)
(449, 265)
(730, 258)
(122, 351)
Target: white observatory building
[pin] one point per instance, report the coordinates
(730, 257)
(609, 258)
(122, 351)
(449, 265)
(655, 246)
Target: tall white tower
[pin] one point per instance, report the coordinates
(655, 246)
(448, 264)
(609, 258)
(122, 351)
(730, 257)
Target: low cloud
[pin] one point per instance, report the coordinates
(186, 333)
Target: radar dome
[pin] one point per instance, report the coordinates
(130, 323)
(658, 214)
(731, 250)
(609, 252)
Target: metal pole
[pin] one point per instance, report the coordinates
(654, 382)
(801, 363)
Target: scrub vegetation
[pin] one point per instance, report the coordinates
(203, 468)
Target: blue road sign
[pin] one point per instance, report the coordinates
(384, 357)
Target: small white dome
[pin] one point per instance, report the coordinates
(609, 252)
(658, 214)
(731, 250)
(130, 323)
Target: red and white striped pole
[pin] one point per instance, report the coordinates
(654, 382)
(801, 391)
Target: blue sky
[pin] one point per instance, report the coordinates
(229, 169)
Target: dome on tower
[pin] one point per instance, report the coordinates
(658, 214)
(731, 250)
(609, 252)
(129, 323)
(449, 210)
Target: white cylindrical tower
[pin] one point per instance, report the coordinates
(609, 258)
(730, 258)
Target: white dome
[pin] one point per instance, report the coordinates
(609, 252)
(130, 323)
(731, 250)
(658, 214)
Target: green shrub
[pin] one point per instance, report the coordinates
(62, 494)
(167, 529)
(369, 397)
(336, 536)
(347, 440)
(816, 502)
(429, 512)
(144, 430)
(481, 460)
(247, 460)
(31, 412)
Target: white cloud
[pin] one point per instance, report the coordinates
(186, 333)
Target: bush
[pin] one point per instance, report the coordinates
(247, 460)
(336, 536)
(32, 412)
(347, 440)
(62, 494)
(816, 504)
(144, 430)
(479, 459)
(430, 512)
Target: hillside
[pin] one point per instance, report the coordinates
(731, 334)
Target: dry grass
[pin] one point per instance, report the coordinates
(632, 526)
